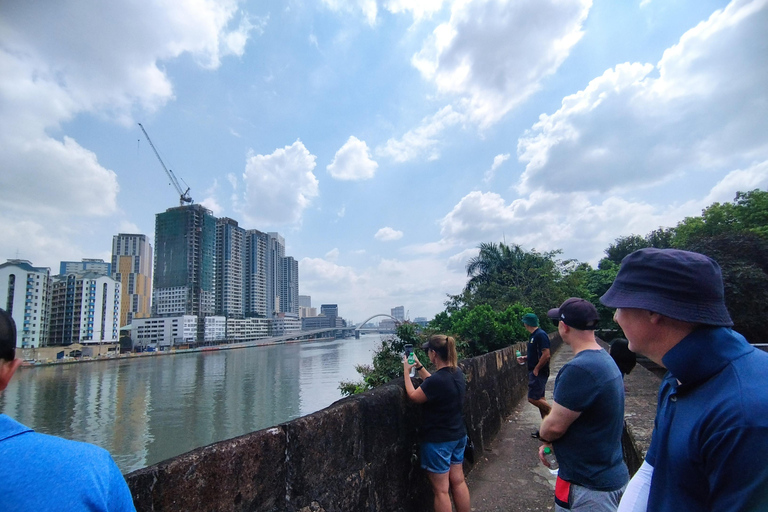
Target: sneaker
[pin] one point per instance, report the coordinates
(535, 435)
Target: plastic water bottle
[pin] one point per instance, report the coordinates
(518, 355)
(549, 456)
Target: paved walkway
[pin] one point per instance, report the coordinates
(509, 475)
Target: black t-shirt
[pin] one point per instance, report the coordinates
(536, 345)
(443, 418)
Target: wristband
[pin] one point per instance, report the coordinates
(417, 368)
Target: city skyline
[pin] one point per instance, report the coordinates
(384, 139)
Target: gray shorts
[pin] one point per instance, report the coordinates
(582, 499)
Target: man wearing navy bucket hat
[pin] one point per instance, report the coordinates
(711, 431)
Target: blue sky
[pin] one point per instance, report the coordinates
(383, 139)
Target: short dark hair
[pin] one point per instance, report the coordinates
(7, 336)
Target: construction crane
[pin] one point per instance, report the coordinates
(183, 195)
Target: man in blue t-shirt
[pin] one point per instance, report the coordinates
(538, 364)
(711, 430)
(587, 419)
(40, 472)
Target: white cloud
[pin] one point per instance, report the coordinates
(59, 64)
(43, 175)
(332, 255)
(419, 9)
(353, 161)
(740, 180)
(210, 201)
(387, 234)
(423, 139)
(367, 8)
(279, 186)
(341, 212)
(422, 284)
(493, 54)
(497, 161)
(127, 226)
(707, 110)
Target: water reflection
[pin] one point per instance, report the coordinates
(149, 409)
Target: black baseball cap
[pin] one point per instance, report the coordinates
(577, 313)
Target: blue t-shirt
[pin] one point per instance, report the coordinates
(711, 436)
(443, 418)
(46, 473)
(589, 453)
(536, 344)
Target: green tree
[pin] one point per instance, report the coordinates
(743, 258)
(387, 361)
(502, 275)
(625, 245)
(481, 329)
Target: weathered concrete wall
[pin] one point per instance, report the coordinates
(354, 455)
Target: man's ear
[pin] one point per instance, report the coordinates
(7, 369)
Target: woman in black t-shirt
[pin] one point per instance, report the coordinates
(443, 434)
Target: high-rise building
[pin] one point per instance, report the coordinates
(132, 267)
(275, 255)
(289, 285)
(230, 249)
(255, 273)
(97, 266)
(85, 308)
(25, 295)
(331, 311)
(185, 254)
(399, 313)
(305, 301)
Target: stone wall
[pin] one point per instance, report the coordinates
(355, 455)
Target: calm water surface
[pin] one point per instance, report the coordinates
(146, 410)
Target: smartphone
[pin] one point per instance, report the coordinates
(409, 353)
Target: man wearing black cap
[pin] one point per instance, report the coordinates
(585, 425)
(45, 473)
(711, 434)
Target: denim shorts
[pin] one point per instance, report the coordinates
(438, 457)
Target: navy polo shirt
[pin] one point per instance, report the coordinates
(536, 345)
(710, 440)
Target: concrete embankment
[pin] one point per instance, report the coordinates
(357, 454)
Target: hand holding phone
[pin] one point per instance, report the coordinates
(409, 353)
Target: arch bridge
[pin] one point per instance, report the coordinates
(359, 328)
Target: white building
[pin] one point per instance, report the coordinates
(164, 331)
(285, 323)
(25, 295)
(305, 312)
(85, 308)
(215, 328)
(247, 329)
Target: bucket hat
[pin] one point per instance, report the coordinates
(531, 320)
(683, 285)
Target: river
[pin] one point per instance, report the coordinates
(145, 410)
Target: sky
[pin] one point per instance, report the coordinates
(384, 139)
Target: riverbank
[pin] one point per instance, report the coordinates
(112, 354)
